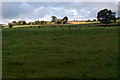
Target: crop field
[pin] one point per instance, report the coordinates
(60, 52)
(79, 22)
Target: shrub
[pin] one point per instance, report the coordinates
(10, 25)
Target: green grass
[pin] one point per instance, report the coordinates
(60, 52)
(59, 28)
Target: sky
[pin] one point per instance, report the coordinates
(31, 11)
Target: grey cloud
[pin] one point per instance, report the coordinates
(36, 10)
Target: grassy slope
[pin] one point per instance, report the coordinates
(33, 52)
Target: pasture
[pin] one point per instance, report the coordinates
(60, 52)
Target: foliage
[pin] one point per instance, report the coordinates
(59, 21)
(62, 21)
(10, 25)
(18, 23)
(65, 18)
(105, 16)
(31, 23)
(54, 18)
(21, 22)
(94, 20)
(88, 20)
(35, 22)
(13, 21)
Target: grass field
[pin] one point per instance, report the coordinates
(60, 52)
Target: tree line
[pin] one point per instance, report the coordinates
(37, 22)
(105, 16)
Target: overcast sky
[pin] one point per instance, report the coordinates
(31, 11)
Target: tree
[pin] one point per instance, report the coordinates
(13, 21)
(18, 23)
(94, 20)
(28, 23)
(54, 18)
(59, 21)
(64, 22)
(41, 22)
(35, 22)
(45, 22)
(88, 20)
(31, 23)
(22, 22)
(105, 16)
(65, 18)
(114, 19)
(10, 25)
(118, 19)
(38, 22)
